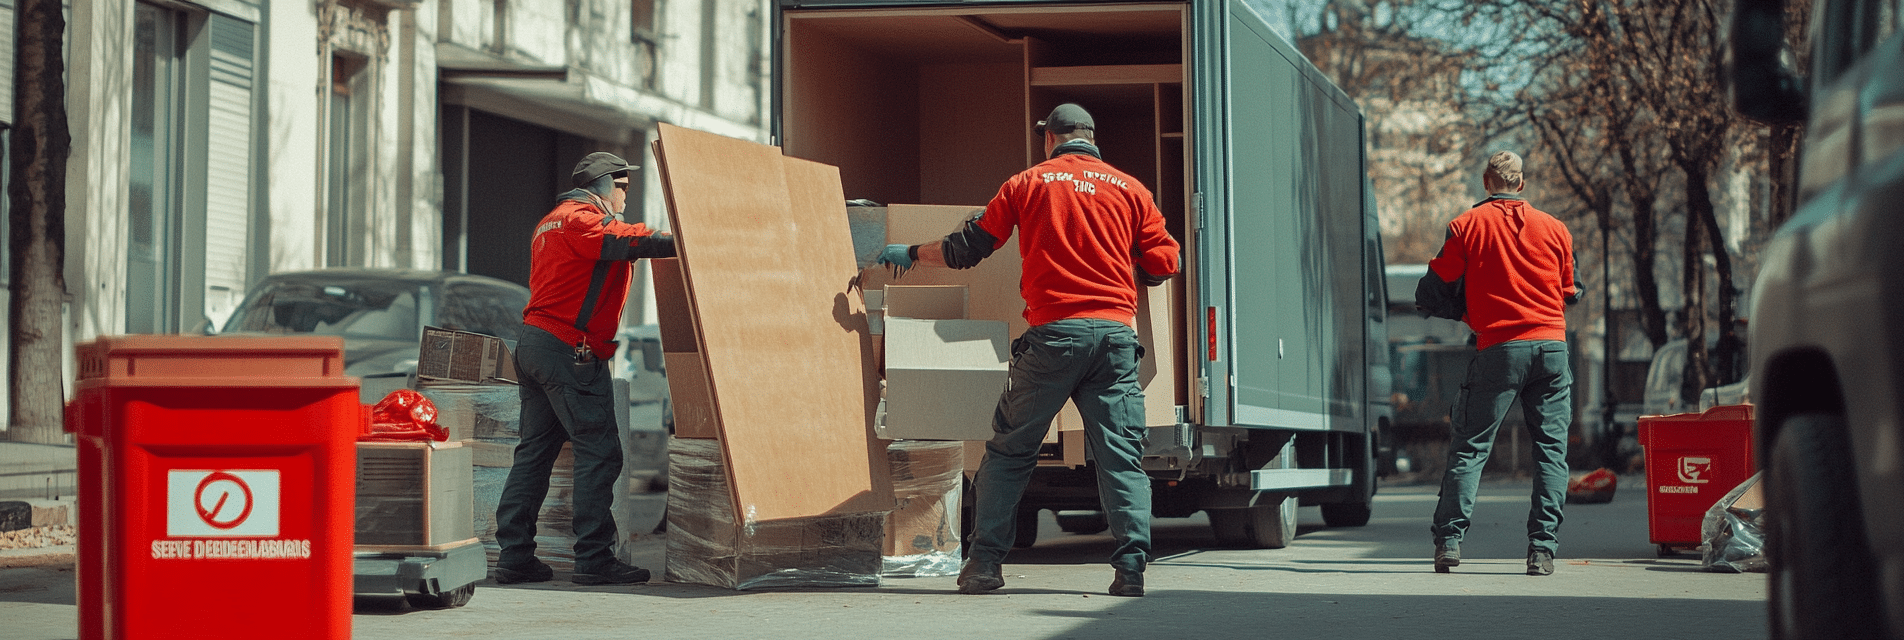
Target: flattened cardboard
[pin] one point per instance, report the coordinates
(943, 378)
(789, 358)
(690, 396)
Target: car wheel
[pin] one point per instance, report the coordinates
(1082, 522)
(1822, 580)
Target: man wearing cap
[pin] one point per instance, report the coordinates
(1516, 264)
(1089, 235)
(580, 260)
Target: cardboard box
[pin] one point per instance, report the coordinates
(708, 543)
(943, 378)
(926, 302)
(448, 354)
(926, 521)
(475, 411)
(413, 495)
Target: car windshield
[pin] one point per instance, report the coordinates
(350, 308)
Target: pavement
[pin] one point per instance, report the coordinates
(1362, 582)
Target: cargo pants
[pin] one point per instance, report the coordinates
(1539, 373)
(564, 399)
(1093, 362)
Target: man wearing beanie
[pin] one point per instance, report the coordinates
(581, 258)
(1089, 234)
(1516, 266)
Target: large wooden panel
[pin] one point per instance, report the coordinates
(767, 258)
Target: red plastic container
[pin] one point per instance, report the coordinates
(1692, 460)
(216, 485)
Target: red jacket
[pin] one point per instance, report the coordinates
(580, 260)
(1518, 262)
(1084, 223)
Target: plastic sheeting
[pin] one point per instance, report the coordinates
(1734, 532)
(488, 418)
(708, 543)
(922, 533)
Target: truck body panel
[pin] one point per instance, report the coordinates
(1255, 158)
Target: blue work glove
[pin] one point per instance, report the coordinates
(897, 256)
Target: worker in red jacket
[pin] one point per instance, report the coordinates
(1511, 265)
(580, 260)
(1090, 234)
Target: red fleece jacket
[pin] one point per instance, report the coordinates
(1518, 262)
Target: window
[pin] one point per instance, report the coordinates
(191, 199)
(344, 207)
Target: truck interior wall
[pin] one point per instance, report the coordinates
(968, 144)
(935, 106)
(856, 110)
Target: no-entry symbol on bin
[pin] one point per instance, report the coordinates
(1695, 470)
(210, 502)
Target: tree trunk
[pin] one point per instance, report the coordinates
(37, 246)
(1782, 167)
(1725, 354)
(1692, 319)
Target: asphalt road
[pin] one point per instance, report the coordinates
(1366, 582)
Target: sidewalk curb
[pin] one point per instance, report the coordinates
(54, 556)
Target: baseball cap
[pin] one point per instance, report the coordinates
(598, 164)
(1505, 165)
(1065, 118)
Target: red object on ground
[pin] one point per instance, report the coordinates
(1692, 460)
(404, 416)
(1596, 486)
(216, 487)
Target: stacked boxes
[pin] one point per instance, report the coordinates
(708, 543)
(922, 532)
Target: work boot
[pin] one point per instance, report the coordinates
(535, 571)
(1540, 563)
(980, 577)
(1129, 584)
(1447, 556)
(615, 572)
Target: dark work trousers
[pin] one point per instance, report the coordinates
(1093, 362)
(562, 401)
(1537, 371)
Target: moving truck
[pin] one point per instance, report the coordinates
(1276, 337)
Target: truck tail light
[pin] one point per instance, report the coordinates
(1210, 312)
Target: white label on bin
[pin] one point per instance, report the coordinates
(227, 503)
(1694, 470)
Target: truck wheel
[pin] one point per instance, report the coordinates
(453, 598)
(1082, 522)
(1264, 526)
(1822, 583)
(1273, 526)
(1229, 526)
(1027, 533)
(1346, 514)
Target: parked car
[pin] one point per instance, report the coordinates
(1827, 319)
(380, 313)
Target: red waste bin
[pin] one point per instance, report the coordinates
(1692, 460)
(216, 479)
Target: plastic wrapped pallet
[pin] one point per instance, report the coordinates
(708, 545)
(922, 533)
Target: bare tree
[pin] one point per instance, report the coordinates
(37, 245)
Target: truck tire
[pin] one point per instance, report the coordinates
(1264, 526)
(1346, 514)
(1027, 533)
(1082, 522)
(1822, 578)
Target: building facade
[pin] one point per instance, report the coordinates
(216, 141)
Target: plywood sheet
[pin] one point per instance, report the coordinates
(767, 258)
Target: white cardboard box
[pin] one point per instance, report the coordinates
(943, 378)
